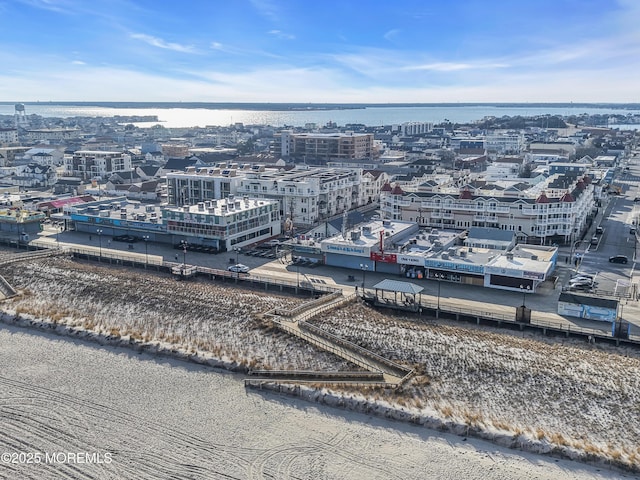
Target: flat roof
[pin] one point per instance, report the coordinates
(368, 234)
(519, 263)
(225, 206)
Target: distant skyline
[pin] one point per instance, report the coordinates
(315, 52)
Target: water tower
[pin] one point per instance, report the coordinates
(20, 115)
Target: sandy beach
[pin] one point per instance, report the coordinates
(540, 395)
(162, 418)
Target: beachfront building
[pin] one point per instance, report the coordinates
(217, 225)
(483, 257)
(306, 195)
(320, 148)
(225, 224)
(92, 164)
(18, 224)
(555, 210)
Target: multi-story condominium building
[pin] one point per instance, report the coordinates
(310, 195)
(413, 128)
(323, 147)
(8, 136)
(505, 142)
(227, 223)
(178, 150)
(90, 164)
(553, 211)
(306, 195)
(220, 225)
(43, 134)
(198, 184)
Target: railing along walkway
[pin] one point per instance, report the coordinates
(393, 374)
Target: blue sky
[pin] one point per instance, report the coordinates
(320, 51)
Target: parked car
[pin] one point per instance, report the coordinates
(238, 268)
(581, 279)
(594, 240)
(126, 238)
(632, 230)
(581, 283)
(580, 288)
(599, 230)
(590, 276)
(618, 259)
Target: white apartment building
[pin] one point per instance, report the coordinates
(323, 147)
(310, 195)
(8, 136)
(306, 195)
(553, 211)
(198, 184)
(43, 134)
(44, 156)
(505, 142)
(413, 128)
(90, 164)
(225, 224)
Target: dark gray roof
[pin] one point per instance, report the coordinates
(491, 234)
(578, 299)
(180, 163)
(398, 286)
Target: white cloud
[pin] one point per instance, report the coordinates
(160, 43)
(267, 9)
(58, 6)
(281, 35)
(78, 62)
(391, 34)
(452, 67)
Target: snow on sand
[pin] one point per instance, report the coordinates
(575, 399)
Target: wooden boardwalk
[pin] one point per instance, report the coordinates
(380, 371)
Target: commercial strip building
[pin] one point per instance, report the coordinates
(217, 225)
(482, 257)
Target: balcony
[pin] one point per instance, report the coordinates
(479, 218)
(498, 209)
(436, 215)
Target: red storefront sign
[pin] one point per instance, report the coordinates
(384, 257)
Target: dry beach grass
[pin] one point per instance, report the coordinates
(554, 394)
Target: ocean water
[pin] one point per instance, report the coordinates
(371, 116)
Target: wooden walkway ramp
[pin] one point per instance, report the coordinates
(379, 371)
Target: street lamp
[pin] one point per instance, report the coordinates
(146, 250)
(237, 250)
(524, 290)
(99, 232)
(58, 230)
(184, 253)
(438, 277)
(364, 269)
